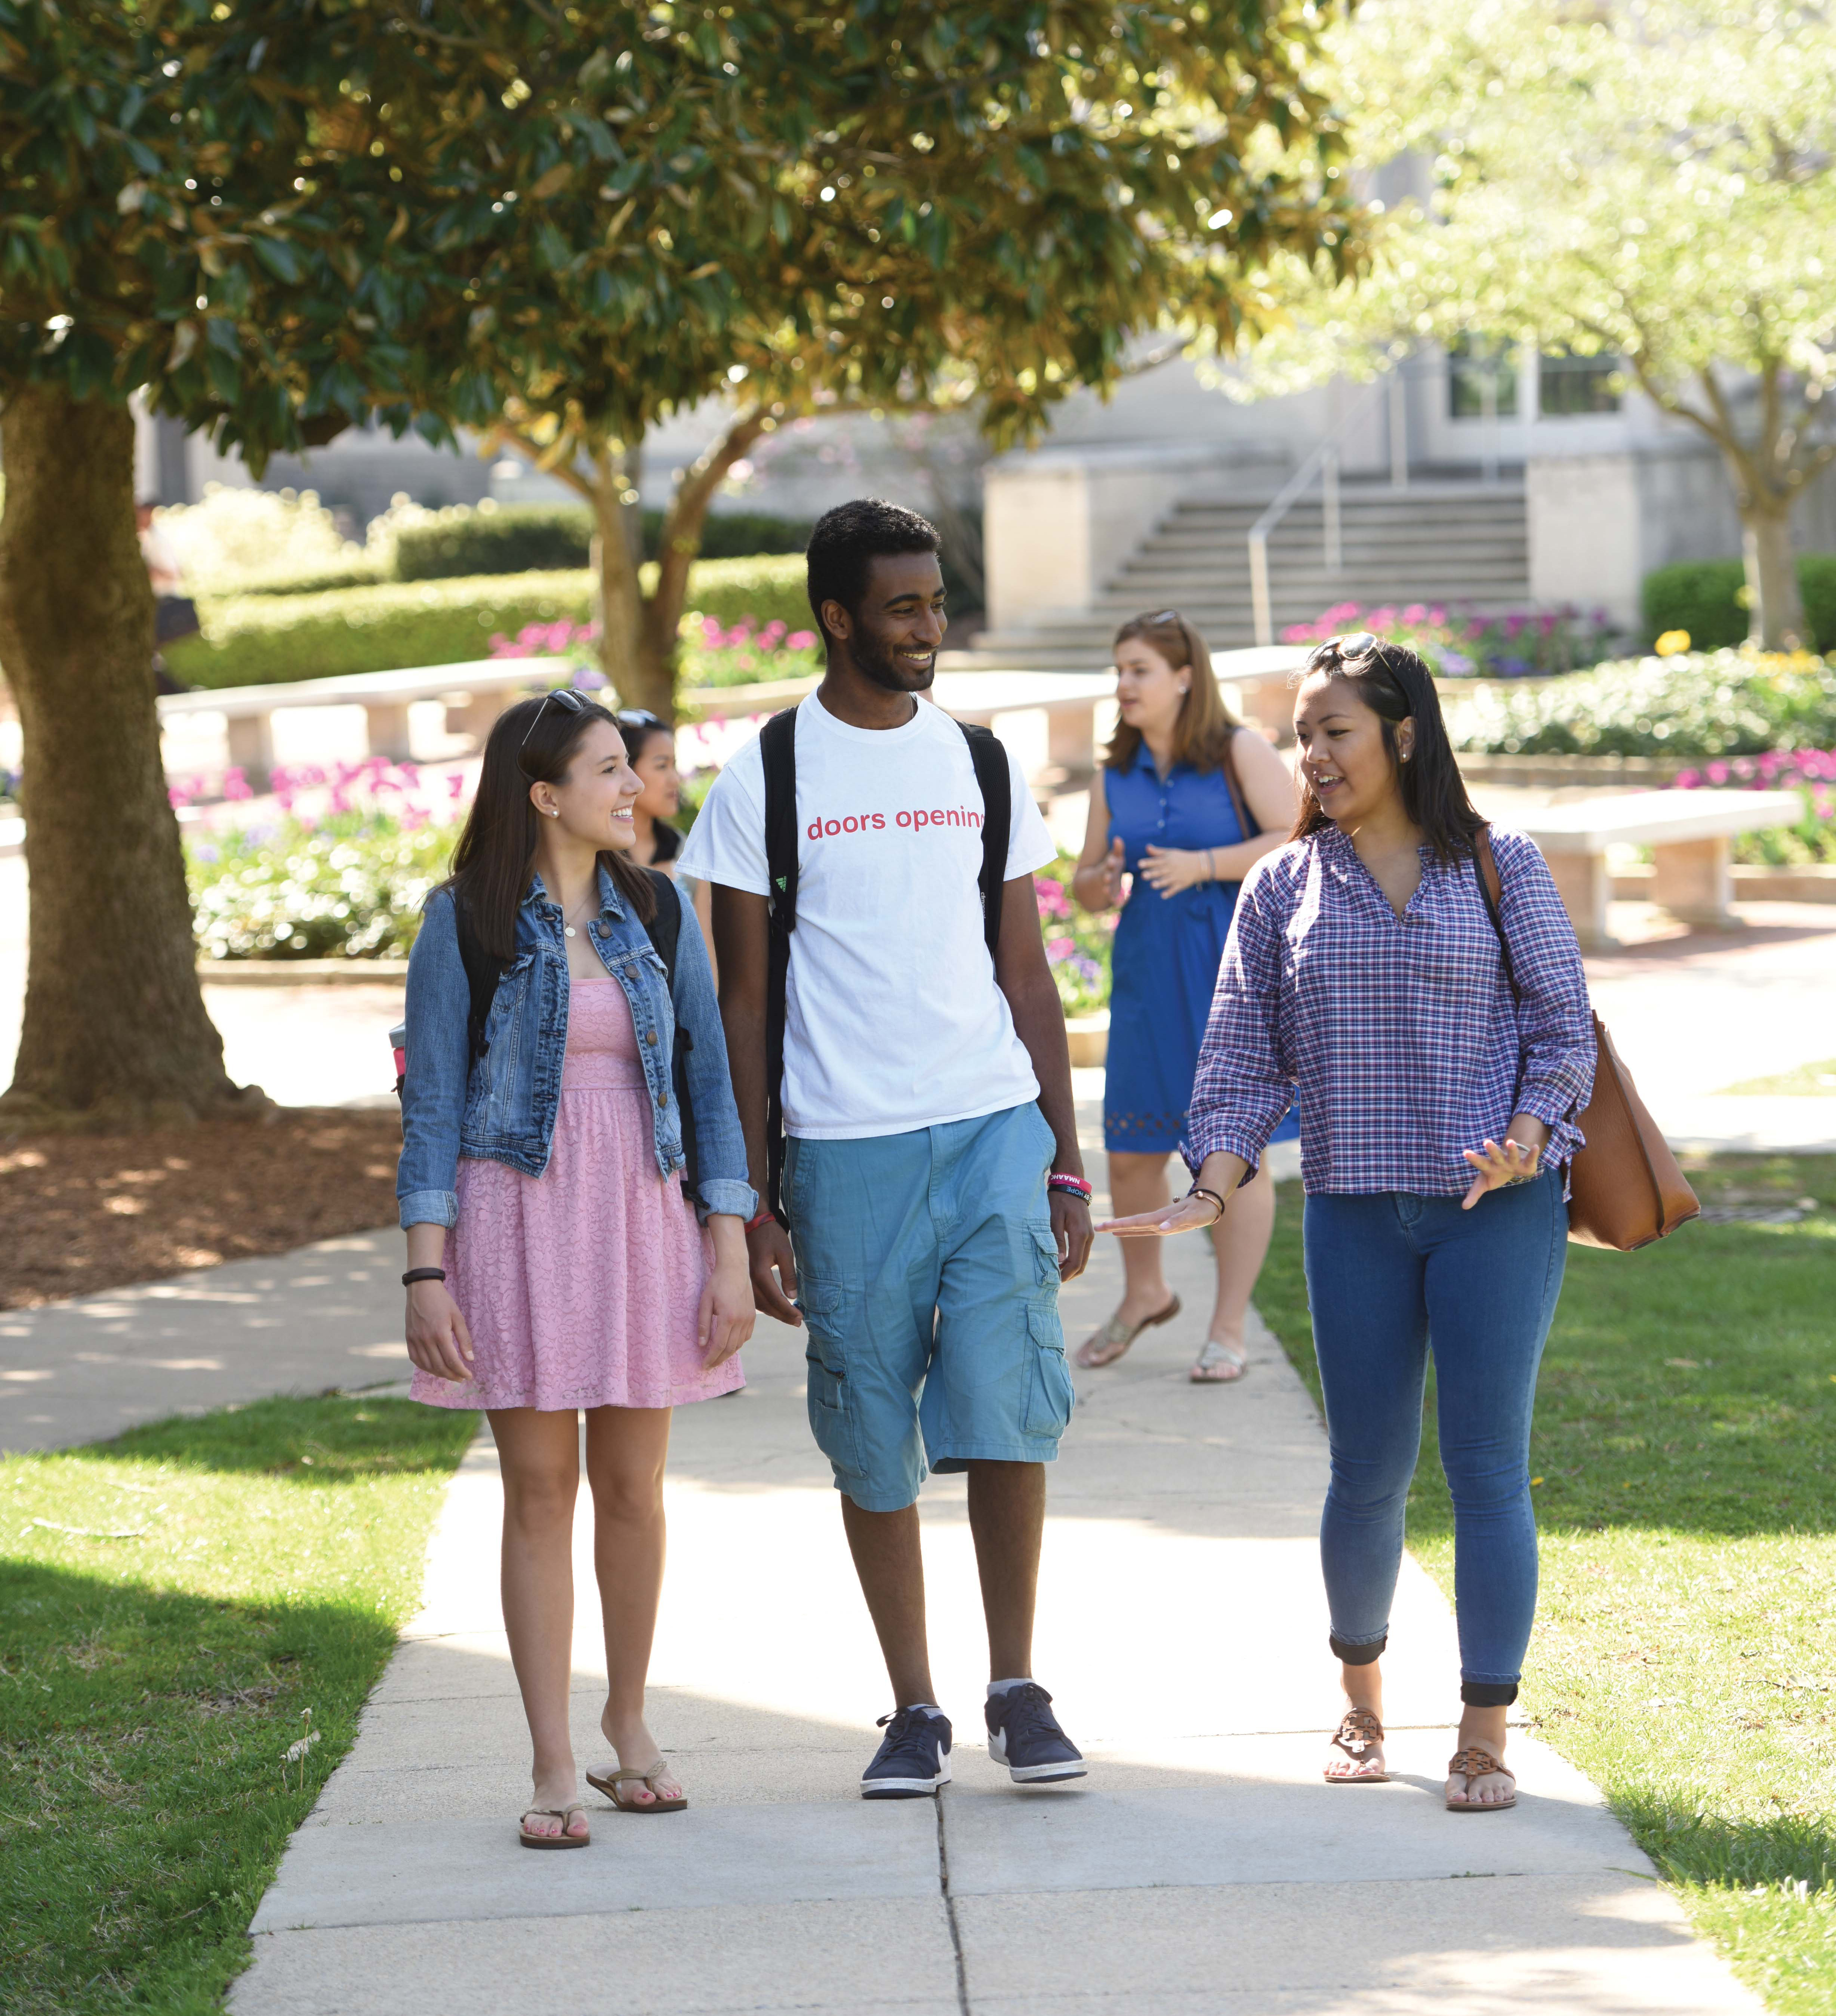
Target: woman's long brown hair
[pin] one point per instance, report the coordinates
(1206, 729)
(494, 862)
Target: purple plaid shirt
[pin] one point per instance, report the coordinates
(1400, 1032)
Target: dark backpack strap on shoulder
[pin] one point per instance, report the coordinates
(665, 927)
(483, 970)
(1492, 891)
(777, 750)
(990, 758)
(665, 934)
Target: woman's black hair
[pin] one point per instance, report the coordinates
(532, 743)
(1394, 684)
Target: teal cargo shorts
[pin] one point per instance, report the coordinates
(927, 1276)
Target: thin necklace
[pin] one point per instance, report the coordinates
(592, 903)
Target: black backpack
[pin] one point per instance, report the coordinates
(777, 745)
(483, 971)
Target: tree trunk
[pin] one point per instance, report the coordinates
(1776, 608)
(115, 1031)
(659, 642)
(621, 593)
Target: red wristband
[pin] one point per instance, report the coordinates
(766, 1217)
(1076, 1186)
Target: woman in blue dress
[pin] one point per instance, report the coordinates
(1187, 799)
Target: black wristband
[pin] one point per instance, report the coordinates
(422, 1274)
(1197, 1189)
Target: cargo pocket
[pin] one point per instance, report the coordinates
(1049, 1392)
(1045, 1254)
(831, 1419)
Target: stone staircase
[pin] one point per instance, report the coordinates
(1463, 543)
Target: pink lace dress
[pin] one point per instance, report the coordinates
(582, 1287)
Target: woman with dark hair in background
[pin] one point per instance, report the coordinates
(1439, 1088)
(649, 742)
(554, 1263)
(1188, 798)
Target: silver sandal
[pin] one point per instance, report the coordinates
(1208, 1369)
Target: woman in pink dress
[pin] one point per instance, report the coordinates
(573, 1187)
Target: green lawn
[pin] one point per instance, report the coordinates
(182, 1605)
(1684, 1465)
(1814, 1080)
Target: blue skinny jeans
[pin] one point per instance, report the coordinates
(1389, 1278)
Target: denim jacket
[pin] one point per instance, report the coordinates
(502, 1109)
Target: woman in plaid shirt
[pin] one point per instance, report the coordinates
(1438, 1122)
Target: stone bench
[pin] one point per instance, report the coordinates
(475, 692)
(1689, 833)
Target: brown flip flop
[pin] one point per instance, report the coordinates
(608, 1782)
(1475, 1762)
(1359, 1730)
(564, 1839)
(1114, 1338)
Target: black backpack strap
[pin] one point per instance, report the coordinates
(990, 758)
(777, 749)
(483, 970)
(665, 934)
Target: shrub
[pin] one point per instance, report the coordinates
(1704, 597)
(738, 654)
(1077, 943)
(1516, 643)
(485, 538)
(1698, 703)
(236, 538)
(1813, 771)
(350, 886)
(514, 538)
(262, 640)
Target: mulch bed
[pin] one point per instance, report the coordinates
(85, 1211)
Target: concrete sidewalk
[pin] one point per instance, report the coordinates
(1203, 1866)
(323, 1315)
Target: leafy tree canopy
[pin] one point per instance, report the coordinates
(907, 206)
(1654, 180)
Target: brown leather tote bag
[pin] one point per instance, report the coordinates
(1625, 1189)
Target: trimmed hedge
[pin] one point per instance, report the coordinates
(514, 538)
(1699, 596)
(268, 639)
(1698, 703)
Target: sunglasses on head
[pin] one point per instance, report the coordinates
(563, 696)
(1354, 645)
(638, 717)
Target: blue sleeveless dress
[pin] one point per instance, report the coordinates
(1167, 950)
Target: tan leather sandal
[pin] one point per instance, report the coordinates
(1476, 1761)
(1359, 1730)
(608, 1782)
(1114, 1338)
(564, 1839)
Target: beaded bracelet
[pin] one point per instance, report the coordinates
(1074, 1185)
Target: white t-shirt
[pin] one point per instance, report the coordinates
(893, 1019)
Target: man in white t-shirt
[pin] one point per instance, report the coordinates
(932, 1181)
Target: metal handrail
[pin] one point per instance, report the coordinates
(1323, 463)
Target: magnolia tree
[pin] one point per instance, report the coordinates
(944, 208)
(268, 220)
(1653, 181)
(272, 221)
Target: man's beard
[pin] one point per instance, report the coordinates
(877, 663)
